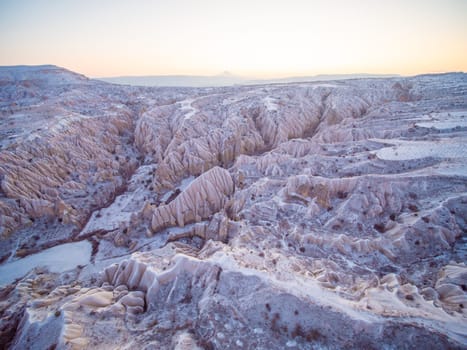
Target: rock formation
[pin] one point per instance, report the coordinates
(203, 197)
(300, 215)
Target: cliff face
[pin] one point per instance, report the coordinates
(303, 215)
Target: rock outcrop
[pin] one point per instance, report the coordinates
(205, 196)
(308, 215)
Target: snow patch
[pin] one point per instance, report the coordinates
(57, 259)
(123, 206)
(444, 121)
(111, 217)
(186, 106)
(271, 104)
(185, 183)
(407, 150)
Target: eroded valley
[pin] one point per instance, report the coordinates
(303, 215)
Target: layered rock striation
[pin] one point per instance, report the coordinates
(300, 215)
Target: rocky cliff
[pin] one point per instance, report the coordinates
(302, 215)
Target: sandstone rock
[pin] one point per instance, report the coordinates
(283, 213)
(203, 197)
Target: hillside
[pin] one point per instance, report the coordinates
(308, 215)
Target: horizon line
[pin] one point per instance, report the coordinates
(229, 74)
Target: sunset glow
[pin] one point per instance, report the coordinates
(251, 38)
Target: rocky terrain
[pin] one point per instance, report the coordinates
(301, 215)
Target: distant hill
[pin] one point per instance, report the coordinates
(40, 74)
(176, 80)
(226, 79)
(58, 75)
(321, 77)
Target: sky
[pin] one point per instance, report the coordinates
(250, 38)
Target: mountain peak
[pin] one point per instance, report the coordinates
(227, 73)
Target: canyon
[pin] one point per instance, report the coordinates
(306, 215)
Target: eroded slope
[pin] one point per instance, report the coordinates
(302, 215)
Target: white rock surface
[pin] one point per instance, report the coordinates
(56, 259)
(302, 215)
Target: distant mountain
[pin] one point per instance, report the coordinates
(321, 77)
(226, 79)
(50, 74)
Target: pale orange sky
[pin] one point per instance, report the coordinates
(256, 38)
